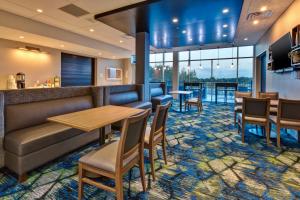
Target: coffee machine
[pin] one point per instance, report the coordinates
(20, 79)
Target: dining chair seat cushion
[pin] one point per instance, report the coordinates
(147, 135)
(285, 122)
(105, 157)
(192, 100)
(273, 109)
(238, 108)
(239, 100)
(253, 119)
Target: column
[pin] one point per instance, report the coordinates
(175, 77)
(142, 50)
(1, 129)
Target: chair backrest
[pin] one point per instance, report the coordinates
(289, 110)
(242, 94)
(132, 137)
(270, 95)
(159, 120)
(256, 107)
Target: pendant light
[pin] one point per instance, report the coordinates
(218, 64)
(232, 65)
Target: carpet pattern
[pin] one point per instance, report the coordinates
(206, 160)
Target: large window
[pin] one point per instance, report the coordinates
(161, 68)
(217, 65)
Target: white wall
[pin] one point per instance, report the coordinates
(285, 84)
(36, 66)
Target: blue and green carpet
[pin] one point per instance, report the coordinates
(206, 160)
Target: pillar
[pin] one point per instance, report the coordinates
(175, 77)
(142, 50)
(1, 129)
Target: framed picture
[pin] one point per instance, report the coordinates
(113, 74)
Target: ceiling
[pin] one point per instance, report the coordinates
(203, 21)
(194, 25)
(52, 15)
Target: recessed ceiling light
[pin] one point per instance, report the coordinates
(21, 37)
(255, 22)
(225, 10)
(225, 25)
(184, 31)
(224, 35)
(190, 39)
(264, 8)
(114, 57)
(99, 53)
(246, 39)
(39, 10)
(91, 30)
(121, 41)
(175, 20)
(62, 45)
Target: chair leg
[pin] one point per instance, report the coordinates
(22, 178)
(80, 183)
(151, 155)
(142, 171)
(278, 136)
(234, 118)
(243, 132)
(268, 130)
(164, 150)
(119, 187)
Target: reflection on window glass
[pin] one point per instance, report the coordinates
(209, 54)
(201, 72)
(195, 55)
(183, 72)
(183, 55)
(228, 52)
(169, 56)
(225, 72)
(155, 72)
(246, 51)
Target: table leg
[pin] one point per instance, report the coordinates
(225, 95)
(180, 98)
(216, 94)
(101, 136)
(298, 136)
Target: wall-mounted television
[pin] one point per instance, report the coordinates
(280, 52)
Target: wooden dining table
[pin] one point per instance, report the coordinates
(96, 118)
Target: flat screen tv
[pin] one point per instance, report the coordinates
(280, 50)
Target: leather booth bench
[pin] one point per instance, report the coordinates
(158, 94)
(29, 139)
(126, 95)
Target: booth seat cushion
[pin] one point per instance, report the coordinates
(140, 105)
(32, 139)
(156, 92)
(161, 99)
(123, 98)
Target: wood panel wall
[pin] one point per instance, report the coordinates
(77, 70)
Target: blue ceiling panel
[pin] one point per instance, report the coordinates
(199, 21)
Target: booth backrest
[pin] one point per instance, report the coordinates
(25, 115)
(157, 89)
(123, 94)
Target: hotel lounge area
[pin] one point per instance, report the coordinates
(150, 99)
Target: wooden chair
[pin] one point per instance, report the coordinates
(288, 116)
(156, 134)
(194, 102)
(273, 96)
(114, 159)
(238, 102)
(255, 111)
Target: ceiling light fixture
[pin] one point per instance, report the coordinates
(200, 60)
(246, 39)
(121, 41)
(21, 37)
(218, 64)
(92, 30)
(225, 10)
(264, 8)
(224, 35)
(32, 49)
(99, 53)
(184, 31)
(255, 22)
(190, 39)
(232, 65)
(114, 57)
(39, 10)
(225, 25)
(175, 20)
(62, 45)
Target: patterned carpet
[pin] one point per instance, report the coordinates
(206, 160)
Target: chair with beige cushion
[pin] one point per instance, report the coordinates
(116, 158)
(288, 116)
(194, 102)
(255, 111)
(156, 134)
(238, 101)
(273, 96)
